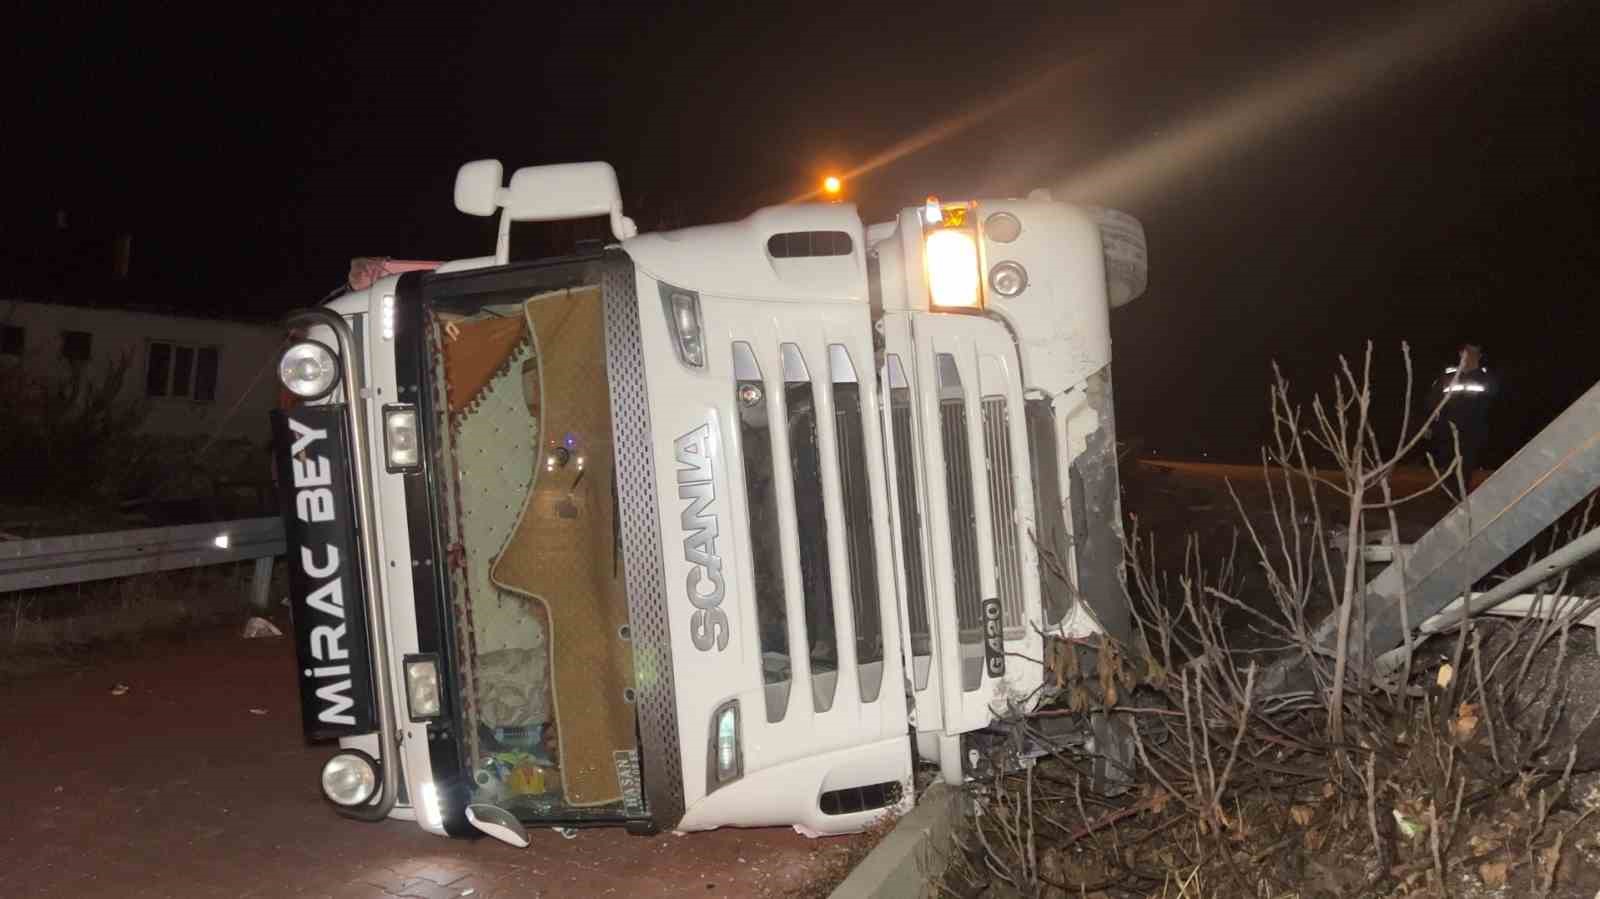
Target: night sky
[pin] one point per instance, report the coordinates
(1307, 179)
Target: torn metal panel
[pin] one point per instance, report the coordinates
(1097, 511)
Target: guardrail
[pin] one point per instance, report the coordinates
(74, 559)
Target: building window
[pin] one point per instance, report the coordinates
(205, 375)
(11, 340)
(76, 346)
(181, 371)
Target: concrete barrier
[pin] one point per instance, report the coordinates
(903, 863)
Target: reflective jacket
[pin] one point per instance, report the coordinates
(1469, 395)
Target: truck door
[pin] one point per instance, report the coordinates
(978, 516)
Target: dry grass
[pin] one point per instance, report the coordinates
(1463, 775)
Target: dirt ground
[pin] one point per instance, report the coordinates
(1176, 498)
(1171, 501)
(195, 782)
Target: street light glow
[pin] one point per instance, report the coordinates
(831, 185)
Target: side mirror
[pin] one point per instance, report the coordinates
(478, 187)
(541, 193)
(545, 193)
(498, 823)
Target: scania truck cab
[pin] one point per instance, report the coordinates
(725, 526)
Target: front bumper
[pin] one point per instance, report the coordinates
(342, 642)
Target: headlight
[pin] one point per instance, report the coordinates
(400, 437)
(350, 778)
(1008, 278)
(422, 687)
(953, 269)
(309, 369)
(725, 760)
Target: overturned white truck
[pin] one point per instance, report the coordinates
(721, 526)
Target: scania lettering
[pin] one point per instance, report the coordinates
(709, 623)
(728, 526)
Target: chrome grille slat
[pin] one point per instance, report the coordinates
(910, 526)
(857, 502)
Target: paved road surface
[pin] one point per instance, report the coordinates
(176, 788)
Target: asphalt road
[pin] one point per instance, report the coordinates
(195, 782)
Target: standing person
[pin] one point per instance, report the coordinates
(1467, 388)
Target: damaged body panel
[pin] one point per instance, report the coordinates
(1097, 510)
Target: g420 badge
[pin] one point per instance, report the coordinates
(994, 645)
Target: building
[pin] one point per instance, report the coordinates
(198, 376)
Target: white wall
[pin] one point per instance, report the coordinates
(246, 385)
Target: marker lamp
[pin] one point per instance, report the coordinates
(725, 756)
(684, 323)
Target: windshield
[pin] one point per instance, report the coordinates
(546, 668)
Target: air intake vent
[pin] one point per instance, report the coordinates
(1003, 509)
(800, 244)
(861, 799)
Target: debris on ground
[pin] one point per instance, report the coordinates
(1477, 789)
(260, 627)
